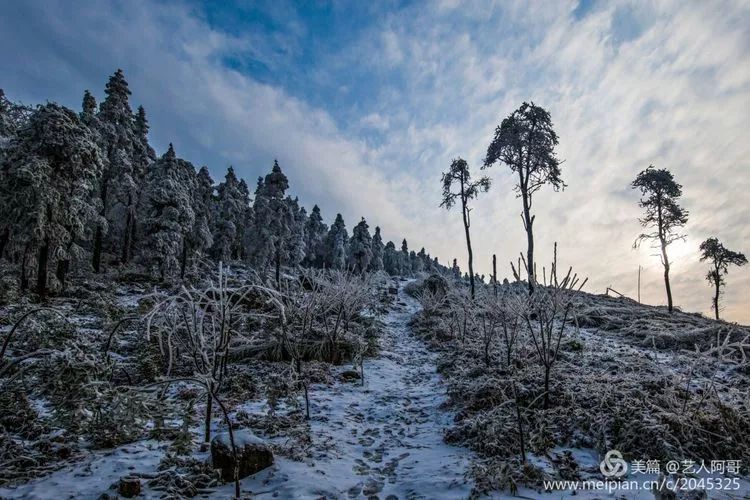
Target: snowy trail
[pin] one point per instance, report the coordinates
(383, 439)
(386, 437)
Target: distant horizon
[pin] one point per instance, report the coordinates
(626, 85)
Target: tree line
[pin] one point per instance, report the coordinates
(525, 142)
(85, 191)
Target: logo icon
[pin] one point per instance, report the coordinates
(613, 464)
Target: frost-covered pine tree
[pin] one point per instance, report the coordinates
(200, 239)
(168, 213)
(360, 247)
(391, 263)
(376, 262)
(120, 182)
(336, 244)
(231, 207)
(48, 174)
(315, 235)
(404, 262)
(278, 224)
(143, 157)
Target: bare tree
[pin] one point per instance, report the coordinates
(458, 173)
(720, 258)
(659, 198)
(525, 141)
(546, 314)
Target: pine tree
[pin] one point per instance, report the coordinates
(119, 183)
(143, 157)
(315, 235)
(360, 247)
(231, 207)
(336, 244)
(659, 198)
(48, 174)
(720, 258)
(404, 262)
(200, 239)
(376, 262)
(525, 141)
(169, 216)
(458, 174)
(391, 263)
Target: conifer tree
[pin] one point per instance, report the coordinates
(458, 175)
(336, 244)
(315, 235)
(360, 247)
(119, 183)
(231, 206)
(660, 194)
(720, 259)
(376, 262)
(391, 263)
(404, 262)
(48, 175)
(200, 240)
(169, 216)
(525, 141)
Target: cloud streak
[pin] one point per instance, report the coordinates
(366, 127)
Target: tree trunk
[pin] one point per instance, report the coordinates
(665, 261)
(528, 222)
(278, 267)
(546, 387)
(467, 223)
(24, 278)
(716, 298)
(207, 421)
(97, 255)
(494, 272)
(126, 238)
(41, 273)
(63, 265)
(183, 260)
(4, 241)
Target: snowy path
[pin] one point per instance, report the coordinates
(386, 436)
(383, 439)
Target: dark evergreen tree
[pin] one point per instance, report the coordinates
(48, 174)
(459, 177)
(659, 196)
(315, 235)
(378, 249)
(360, 247)
(525, 141)
(720, 258)
(231, 207)
(336, 244)
(391, 260)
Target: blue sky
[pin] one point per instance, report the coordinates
(365, 103)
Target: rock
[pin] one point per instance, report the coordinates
(350, 375)
(129, 487)
(252, 453)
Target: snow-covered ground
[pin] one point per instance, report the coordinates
(383, 437)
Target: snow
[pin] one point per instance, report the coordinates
(385, 437)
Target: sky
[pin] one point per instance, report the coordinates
(364, 104)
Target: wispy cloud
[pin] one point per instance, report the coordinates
(365, 123)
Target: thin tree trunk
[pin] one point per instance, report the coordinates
(183, 260)
(546, 387)
(4, 241)
(278, 267)
(209, 410)
(494, 272)
(665, 261)
(126, 238)
(467, 223)
(528, 222)
(41, 273)
(520, 425)
(63, 265)
(716, 297)
(24, 260)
